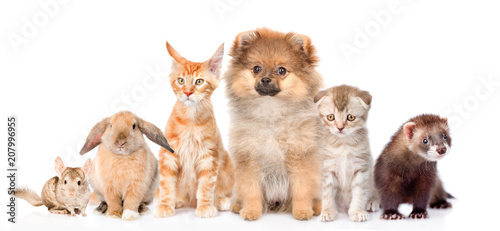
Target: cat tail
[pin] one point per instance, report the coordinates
(29, 195)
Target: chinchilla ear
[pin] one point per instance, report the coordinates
(153, 133)
(59, 166)
(87, 167)
(94, 137)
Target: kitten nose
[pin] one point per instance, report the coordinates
(441, 151)
(265, 80)
(188, 93)
(340, 129)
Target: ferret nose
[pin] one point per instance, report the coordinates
(188, 93)
(441, 151)
(265, 80)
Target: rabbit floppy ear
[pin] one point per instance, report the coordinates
(94, 137)
(153, 133)
(59, 166)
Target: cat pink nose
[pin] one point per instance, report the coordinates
(188, 93)
(340, 129)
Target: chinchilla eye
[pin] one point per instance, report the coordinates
(257, 69)
(425, 141)
(133, 127)
(281, 71)
(330, 117)
(79, 183)
(65, 182)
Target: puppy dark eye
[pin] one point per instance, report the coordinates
(281, 71)
(257, 69)
(79, 183)
(445, 136)
(65, 182)
(425, 141)
(133, 127)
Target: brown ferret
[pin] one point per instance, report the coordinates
(406, 171)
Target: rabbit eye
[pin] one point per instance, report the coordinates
(133, 127)
(79, 183)
(65, 182)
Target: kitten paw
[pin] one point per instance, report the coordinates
(235, 207)
(205, 211)
(373, 206)
(328, 216)
(419, 215)
(164, 211)
(392, 215)
(442, 204)
(358, 216)
(303, 214)
(224, 204)
(250, 214)
(130, 215)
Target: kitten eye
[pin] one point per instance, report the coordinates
(199, 82)
(65, 182)
(330, 117)
(79, 183)
(133, 126)
(180, 81)
(281, 71)
(351, 117)
(445, 136)
(257, 69)
(425, 141)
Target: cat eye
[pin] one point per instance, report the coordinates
(133, 126)
(445, 136)
(199, 82)
(330, 117)
(351, 117)
(281, 71)
(79, 183)
(180, 81)
(257, 69)
(425, 141)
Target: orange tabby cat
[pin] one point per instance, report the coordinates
(199, 174)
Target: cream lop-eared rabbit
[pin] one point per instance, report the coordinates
(125, 171)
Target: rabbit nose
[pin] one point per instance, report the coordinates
(441, 151)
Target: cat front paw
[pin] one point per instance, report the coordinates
(358, 216)
(205, 211)
(373, 206)
(164, 211)
(327, 216)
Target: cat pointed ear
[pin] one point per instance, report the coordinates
(153, 133)
(177, 58)
(303, 44)
(318, 98)
(214, 64)
(409, 129)
(365, 99)
(242, 41)
(59, 166)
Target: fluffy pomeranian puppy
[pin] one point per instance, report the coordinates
(274, 137)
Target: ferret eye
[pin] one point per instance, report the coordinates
(425, 141)
(257, 69)
(351, 117)
(65, 182)
(330, 117)
(445, 136)
(79, 183)
(180, 81)
(281, 71)
(133, 126)
(199, 82)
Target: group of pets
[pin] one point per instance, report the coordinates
(292, 148)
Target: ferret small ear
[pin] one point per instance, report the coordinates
(243, 41)
(153, 133)
(214, 64)
(59, 166)
(303, 44)
(94, 137)
(365, 99)
(319, 96)
(409, 130)
(87, 167)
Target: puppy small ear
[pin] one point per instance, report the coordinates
(153, 133)
(94, 137)
(303, 44)
(319, 96)
(87, 167)
(444, 119)
(214, 64)
(178, 60)
(365, 99)
(243, 41)
(409, 129)
(59, 166)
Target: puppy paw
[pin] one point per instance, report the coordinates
(235, 207)
(358, 216)
(205, 211)
(114, 214)
(250, 214)
(328, 216)
(164, 211)
(224, 204)
(392, 215)
(419, 214)
(373, 206)
(303, 214)
(442, 204)
(317, 207)
(130, 215)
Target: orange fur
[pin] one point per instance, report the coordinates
(200, 173)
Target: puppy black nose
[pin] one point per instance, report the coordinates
(441, 151)
(265, 80)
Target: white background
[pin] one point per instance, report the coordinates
(76, 65)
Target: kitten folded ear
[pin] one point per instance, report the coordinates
(242, 41)
(365, 99)
(319, 96)
(303, 44)
(408, 129)
(214, 64)
(177, 58)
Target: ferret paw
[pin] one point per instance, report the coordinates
(303, 214)
(235, 207)
(130, 215)
(224, 204)
(358, 216)
(164, 211)
(250, 214)
(327, 216)
(373, 206)
(206, 211)
(442, 204)
(419, 215)
(392, 215)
